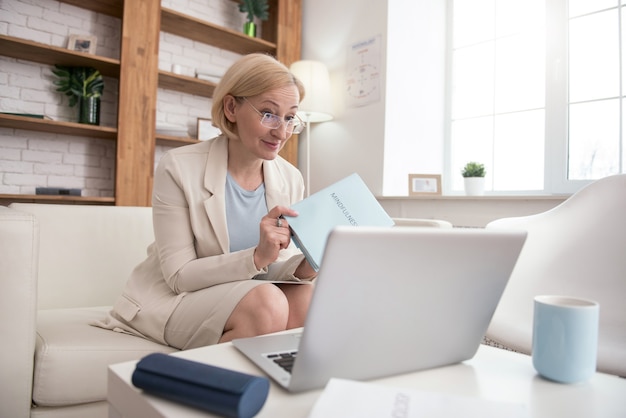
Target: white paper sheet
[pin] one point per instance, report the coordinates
(351, 399)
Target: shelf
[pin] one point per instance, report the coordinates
(199, 30)
(113, 8)
(47, 54)
(175, 141)
(57, 127)
(186, 84)
(6, 199)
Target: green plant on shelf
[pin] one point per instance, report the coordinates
(255, 8)
(78, 82)
(473, 169)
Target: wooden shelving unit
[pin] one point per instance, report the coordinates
(137, 70)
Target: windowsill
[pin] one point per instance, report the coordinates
(485, 197)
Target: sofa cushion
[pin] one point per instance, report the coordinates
(71, 356)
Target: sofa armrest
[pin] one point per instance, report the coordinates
(431, 223)
(19, 253)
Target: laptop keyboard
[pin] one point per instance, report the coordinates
(284, 360)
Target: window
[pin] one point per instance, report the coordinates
(536, 92)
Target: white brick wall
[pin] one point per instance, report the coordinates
(36, 159)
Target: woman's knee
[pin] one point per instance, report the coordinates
(266, 307)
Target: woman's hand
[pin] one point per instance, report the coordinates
(275, 236)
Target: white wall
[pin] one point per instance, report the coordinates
(353, 141)
(414, 111)
(403, 131)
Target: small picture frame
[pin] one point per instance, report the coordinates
(206, 130)
(424, 184)
(83, 43)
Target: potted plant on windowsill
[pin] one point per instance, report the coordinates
(474, 178)
(84, 86)
(253, 8)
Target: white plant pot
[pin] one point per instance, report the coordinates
(474, 186)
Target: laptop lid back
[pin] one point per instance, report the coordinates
(394, 300)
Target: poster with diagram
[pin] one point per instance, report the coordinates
(363, 75)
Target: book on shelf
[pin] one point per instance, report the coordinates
(347, 202)
(58, 191)
(28, 115)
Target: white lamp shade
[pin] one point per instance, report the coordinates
(316, 105)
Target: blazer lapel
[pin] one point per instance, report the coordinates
(215, 184)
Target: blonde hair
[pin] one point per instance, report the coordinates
(251, 75)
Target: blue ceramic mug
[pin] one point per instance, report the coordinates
(565, 338)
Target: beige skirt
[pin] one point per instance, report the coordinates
(200, 317)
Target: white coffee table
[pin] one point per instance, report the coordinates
(493, 374)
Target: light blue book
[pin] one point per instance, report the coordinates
(346, 202)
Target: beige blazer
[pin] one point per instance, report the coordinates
(191, 248)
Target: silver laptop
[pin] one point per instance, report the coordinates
(392, 300)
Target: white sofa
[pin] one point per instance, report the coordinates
(62, 266)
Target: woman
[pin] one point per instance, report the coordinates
(220, 241)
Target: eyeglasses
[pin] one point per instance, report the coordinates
(294, 125)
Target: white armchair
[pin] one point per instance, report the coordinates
(576, 249)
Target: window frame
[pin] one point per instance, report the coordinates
(556, 128)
